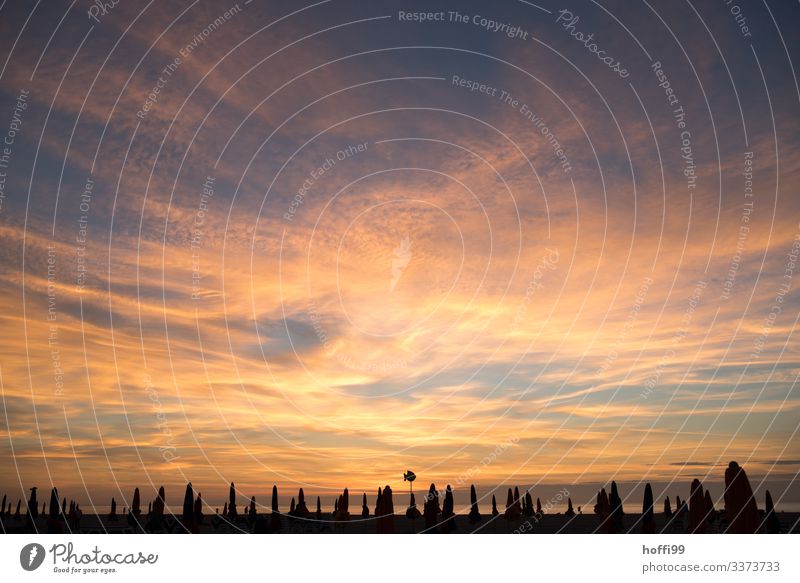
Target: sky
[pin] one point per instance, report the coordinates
(318, 244)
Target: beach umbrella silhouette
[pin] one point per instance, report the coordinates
(386, 519)
(648, 520)
(33, 504)
(302, 510)
(602, 508)
(364, 507)
(188, 515)
(342, 511)
(54, 519)
(495, 512)
(474, 513)
(667, 508)
(430, 509)
(570, 510)
(697, 508)
(232, 501)
(198, 508)
(771, 519)
(53, 503)
(616, 508)
(740, 504)
(528, 509)
(412, 512)
(188, 503)
(136, 510)
(513, 509)
(378, 502)
(157, 515)
(711, 513)
(160, 503)
(379, 510)
(275, 519)
(319, 509)
(275, 498)
(709, 502)
(433, 496)
(448, 510)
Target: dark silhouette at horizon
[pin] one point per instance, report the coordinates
(695, 514)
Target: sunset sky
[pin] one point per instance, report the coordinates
(339, 243)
